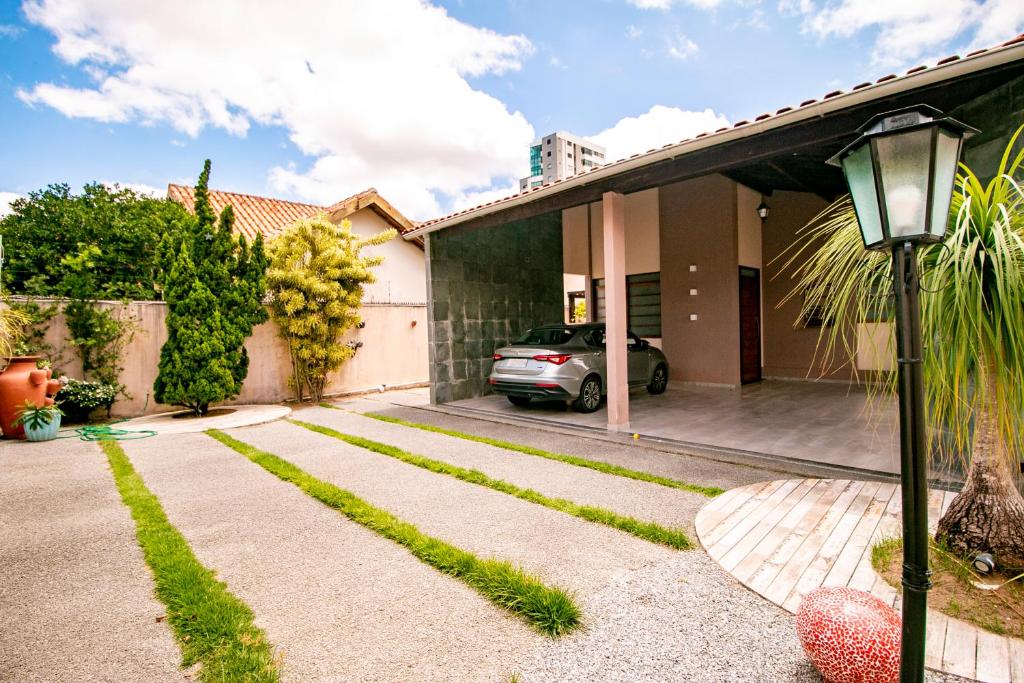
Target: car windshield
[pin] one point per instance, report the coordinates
(546, 336)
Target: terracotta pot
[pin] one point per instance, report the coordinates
(23, 381)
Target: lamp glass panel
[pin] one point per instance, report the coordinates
(860, 176)
(903, 160)
(947, 154)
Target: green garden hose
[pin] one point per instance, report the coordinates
(108, 433)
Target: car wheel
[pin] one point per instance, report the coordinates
(659, 380)
(589, 399)
(519, 400)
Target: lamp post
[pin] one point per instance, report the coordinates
(901, 172)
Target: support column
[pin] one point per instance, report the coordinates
(614, 235)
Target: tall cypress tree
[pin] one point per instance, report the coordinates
(209, 273)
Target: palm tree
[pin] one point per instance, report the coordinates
(972, 310)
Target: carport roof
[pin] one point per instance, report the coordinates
(785, 150)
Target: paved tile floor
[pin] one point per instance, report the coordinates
(818, 421)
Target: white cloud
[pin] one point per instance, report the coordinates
(658, 127)
(634, 32)
(681, 47)
(141, 188)
(667, 4)
(467, 200)
(376, 93)
(910, 30)
(10, 31)
(6, 199)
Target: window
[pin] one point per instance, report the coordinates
(881, 304)
(643, 303)
(594, 338)
(549, 152)
(535, 160)
(814, 311)
(546, 336)
(549, 165)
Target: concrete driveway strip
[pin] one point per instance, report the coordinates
(561, 549)
(76, 597)
(638, 456)
(339, 602)
(643, 500)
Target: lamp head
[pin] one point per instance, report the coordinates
(900, 172)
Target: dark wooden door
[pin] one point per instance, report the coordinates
(750, 325)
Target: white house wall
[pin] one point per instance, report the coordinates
(401, 279)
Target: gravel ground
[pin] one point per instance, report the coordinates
(561, 549)
(692, 468)
(76, 597)
(671, 507)
(339, 602)
(682, 619)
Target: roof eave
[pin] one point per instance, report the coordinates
(990, 59)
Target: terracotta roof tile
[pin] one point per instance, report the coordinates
(269, 217)
(253, 215)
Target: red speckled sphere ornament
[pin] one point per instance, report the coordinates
(850, 636)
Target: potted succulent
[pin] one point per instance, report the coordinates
(23, 381)
(41, 423)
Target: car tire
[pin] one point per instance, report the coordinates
(659, 381)
(589, 399)
(519, 400)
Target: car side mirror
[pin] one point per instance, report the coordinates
(644, 344)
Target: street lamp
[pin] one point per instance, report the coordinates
(901, 172)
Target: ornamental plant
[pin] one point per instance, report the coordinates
(316, 279)
(214, 291)
(36, 417)
(79, 397)
(972, 310)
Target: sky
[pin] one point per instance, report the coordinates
(433, 103)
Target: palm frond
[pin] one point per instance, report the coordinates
(972, 301)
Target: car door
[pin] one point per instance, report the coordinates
(596, 359)
(639, 361)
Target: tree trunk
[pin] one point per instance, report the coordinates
(988, 515)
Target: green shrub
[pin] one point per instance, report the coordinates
(78, 398)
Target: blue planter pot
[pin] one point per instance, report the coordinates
(44, 433)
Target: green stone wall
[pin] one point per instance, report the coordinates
(485, 287)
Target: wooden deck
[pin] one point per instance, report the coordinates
(784, 538)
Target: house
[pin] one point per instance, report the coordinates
(392, 342)
(400, 279)
(680, 228)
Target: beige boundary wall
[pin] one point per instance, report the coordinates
(393, 354)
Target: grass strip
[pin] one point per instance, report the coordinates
(606, 468)
(550, 610)
(211, 625)
(649, 531)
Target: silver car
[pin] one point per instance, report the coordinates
(567, 362)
